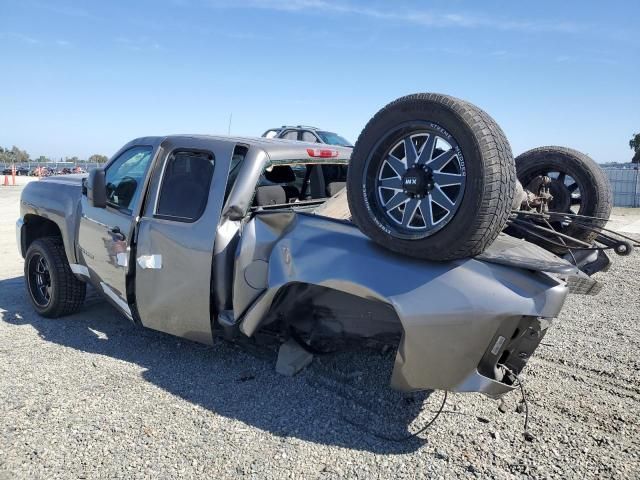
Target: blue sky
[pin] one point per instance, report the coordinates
(85, 77)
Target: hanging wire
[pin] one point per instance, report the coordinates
(404, 438)
(527, 435)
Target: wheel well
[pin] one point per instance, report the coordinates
(308, 306)
(36, 227)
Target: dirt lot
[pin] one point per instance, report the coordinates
(92, 396)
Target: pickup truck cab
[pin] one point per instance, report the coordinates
(143, 230)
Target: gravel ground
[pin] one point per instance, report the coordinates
(92, 396)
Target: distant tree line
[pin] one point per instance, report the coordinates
(634, 144)
(95, 158)
(13, 155)
(16, 155)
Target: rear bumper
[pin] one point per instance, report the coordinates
(471, 348)
(506, 354)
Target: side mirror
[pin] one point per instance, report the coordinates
(96, 188)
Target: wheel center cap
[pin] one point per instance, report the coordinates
(417, 181)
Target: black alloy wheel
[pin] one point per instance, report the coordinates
(420, 183)
(39, 280)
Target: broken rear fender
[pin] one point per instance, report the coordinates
(451, 312)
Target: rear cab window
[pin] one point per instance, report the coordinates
(297, 184)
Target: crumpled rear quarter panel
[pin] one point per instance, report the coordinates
(449, 311)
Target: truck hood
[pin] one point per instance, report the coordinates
(73, 179)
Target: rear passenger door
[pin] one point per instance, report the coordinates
(176, 236)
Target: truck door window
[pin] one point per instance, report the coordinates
(185, 186)
(124, 177)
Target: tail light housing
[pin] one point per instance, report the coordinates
(322, 152)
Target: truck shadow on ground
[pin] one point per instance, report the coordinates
(339, 400)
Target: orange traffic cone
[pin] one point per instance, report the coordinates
(6, 181)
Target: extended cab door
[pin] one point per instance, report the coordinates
(176, 233)
(104, 234)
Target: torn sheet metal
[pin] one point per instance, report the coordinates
(449, 311)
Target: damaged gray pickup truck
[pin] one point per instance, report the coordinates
(434, 246)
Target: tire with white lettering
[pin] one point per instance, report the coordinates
(53, 289)
(432, 177)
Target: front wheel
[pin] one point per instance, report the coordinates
(53, 289)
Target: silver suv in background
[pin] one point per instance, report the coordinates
(306, 133)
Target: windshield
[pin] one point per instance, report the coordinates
(334, 139)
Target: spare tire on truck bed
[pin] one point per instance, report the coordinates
(433, 177)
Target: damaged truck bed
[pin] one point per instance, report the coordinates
(456, 320)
